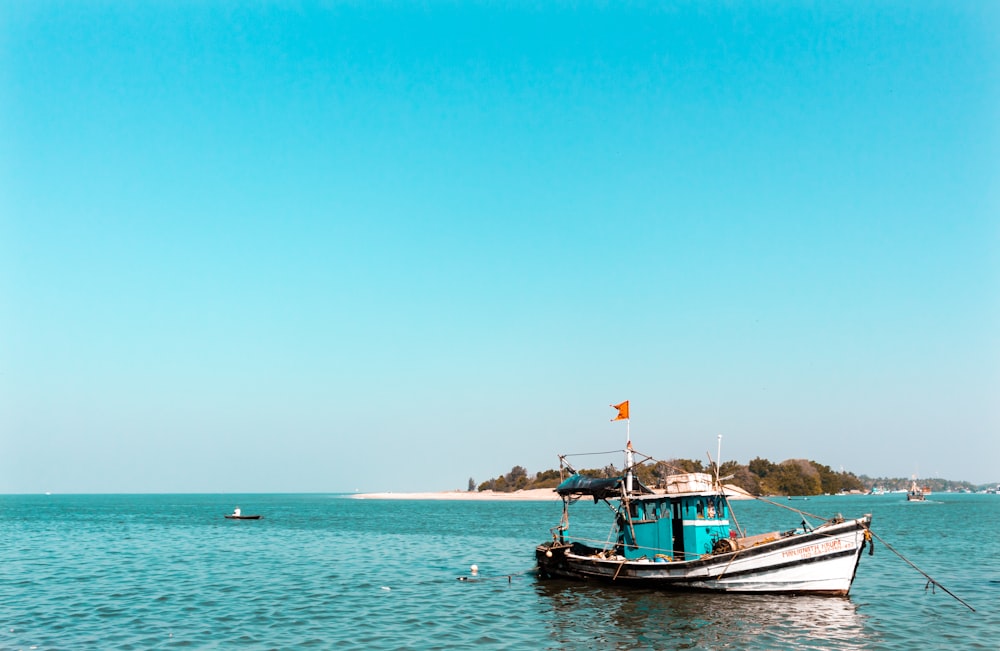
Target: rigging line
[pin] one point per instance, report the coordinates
(628, 516)
(926, 575)
(680, 470)
(739, 529)
(637, 463)
(589, 454)
(594, 541)
(611, 534)
(620, 566)
(509, 577)
(654, 550)
(726, 568)
(791, 508)
(663, 551)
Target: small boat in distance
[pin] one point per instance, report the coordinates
(237, 514)
(915, 494)
(684, 537)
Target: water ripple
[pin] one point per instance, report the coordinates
(98, 572)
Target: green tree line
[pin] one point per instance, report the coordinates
(759, 476)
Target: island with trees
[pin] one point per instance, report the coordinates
(758, 477)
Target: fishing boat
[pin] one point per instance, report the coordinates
(685, 537)
(915, 494)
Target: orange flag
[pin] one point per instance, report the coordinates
(622, 411)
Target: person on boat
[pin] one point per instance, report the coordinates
(236, 512)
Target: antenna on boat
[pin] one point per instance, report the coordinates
(629, 462)
(718, 462)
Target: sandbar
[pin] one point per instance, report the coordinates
(535, 494)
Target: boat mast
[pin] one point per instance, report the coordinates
(622, 408)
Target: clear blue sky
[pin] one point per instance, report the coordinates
(336, 246)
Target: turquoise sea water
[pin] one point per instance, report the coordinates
(329, 571)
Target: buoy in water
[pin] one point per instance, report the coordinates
(475, 569)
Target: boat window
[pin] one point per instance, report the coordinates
(701, 509)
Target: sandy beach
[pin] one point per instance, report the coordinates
(539, 494)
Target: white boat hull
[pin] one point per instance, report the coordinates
(823, 561)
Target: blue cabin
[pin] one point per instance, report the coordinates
(682, 524)
(672, 527)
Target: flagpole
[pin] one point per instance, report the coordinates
(629, 459)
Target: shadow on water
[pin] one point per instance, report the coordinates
(595, 615)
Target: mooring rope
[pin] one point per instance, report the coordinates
(790, 508)
(930, 581)
(500, 577)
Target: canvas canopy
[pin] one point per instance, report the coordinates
(598, 488)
